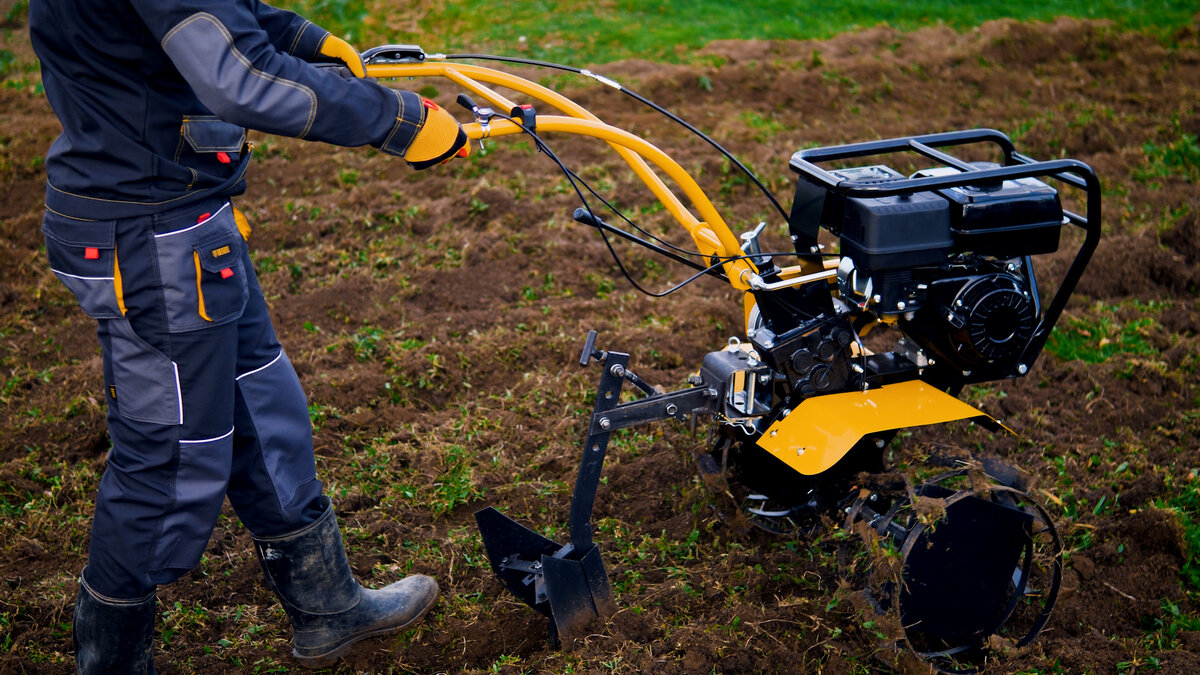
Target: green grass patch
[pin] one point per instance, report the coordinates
(454, 485)
(1097, 339)
(343, 17)
(1186, 502)
(1179, 158)
(764, 127)
(587, 32)
(6, 61)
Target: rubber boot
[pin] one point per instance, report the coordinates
(113, 635)
(329, 610)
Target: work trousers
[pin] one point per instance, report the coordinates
(203, 403)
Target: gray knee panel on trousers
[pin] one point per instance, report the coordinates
(202, 401)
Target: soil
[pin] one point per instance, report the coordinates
(435, 320)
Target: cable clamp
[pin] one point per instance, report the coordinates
(526, 116)
(484, 115)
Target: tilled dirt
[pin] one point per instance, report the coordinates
(435, 320)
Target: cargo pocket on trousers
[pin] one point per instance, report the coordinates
(220, 279)
(204, 282)
(83, 255)
(200, 482)
(145, 381)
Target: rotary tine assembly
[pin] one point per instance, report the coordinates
(974, 562)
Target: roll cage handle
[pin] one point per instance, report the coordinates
(1069, 172)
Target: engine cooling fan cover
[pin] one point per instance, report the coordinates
(993, 318)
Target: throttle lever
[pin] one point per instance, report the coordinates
(466, 102)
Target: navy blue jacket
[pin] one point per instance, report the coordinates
(154, 95)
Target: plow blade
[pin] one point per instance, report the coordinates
(567, 585)
(578, 592)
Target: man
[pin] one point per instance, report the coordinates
(153, 96)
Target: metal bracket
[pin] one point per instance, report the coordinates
(675, 405)
(568, 583)
(385, 54)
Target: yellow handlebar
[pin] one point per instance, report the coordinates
(711, 234)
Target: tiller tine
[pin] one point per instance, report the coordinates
(959, 575)
(964, 576)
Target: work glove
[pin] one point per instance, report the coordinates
(337, 49)
(440, 139)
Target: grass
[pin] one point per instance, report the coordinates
(587, 32)
(1099, 338)
(1186, 503)
(1178, 158)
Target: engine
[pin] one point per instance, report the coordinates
(950, 267)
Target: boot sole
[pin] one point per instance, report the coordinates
(325, 659)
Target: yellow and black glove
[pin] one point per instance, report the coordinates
(337, 49)
(440, 139)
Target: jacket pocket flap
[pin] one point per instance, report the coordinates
(211, 134)
(98, 233)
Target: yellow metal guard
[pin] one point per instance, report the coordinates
(822, 429)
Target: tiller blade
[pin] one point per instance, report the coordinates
(959, 575)
(990, 564)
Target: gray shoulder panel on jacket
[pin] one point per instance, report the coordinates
(225, 80)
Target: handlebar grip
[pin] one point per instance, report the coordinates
(582, 215)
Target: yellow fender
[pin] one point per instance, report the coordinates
(822, 429)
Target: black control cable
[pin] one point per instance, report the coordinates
(589, 218)
(641, 99)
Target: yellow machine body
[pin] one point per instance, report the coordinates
(822, 429)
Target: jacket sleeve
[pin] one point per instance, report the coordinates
(289, 32)
(238, 72)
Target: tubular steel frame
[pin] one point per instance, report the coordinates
(709, 231)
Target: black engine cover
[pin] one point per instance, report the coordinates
(976, 322)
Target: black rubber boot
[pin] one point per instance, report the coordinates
(309, 572)
(113, 635)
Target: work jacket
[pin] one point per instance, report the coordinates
(154, 97)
